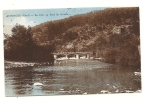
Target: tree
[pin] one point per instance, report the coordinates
(21, 47)
(17, 46)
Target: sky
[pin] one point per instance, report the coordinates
(32, 17)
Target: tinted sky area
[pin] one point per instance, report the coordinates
(37, 16)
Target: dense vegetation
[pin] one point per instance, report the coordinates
(21, 47)
(113, 34)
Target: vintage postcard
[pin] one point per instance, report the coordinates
(69, 51)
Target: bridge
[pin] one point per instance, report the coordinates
(77, 54)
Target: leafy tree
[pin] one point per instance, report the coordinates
(21, 47)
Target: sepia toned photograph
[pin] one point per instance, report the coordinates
(72, 51)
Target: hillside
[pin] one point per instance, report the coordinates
(113, 34)
(107, 32)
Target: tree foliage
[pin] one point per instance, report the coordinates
(21, 47)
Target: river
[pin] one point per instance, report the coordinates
(69, 77)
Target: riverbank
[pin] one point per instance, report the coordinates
(9, 64)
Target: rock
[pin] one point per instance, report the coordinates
(85, 93)
(61, 89)
(104, 91)
(137, 73)
(114, 86)
(78, 90)
(138, 91)
(38, 84)
(117, 91)
(128, 91)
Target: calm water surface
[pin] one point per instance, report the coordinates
(70, 77)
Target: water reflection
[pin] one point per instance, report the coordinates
(70, 77)
(20, 79)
